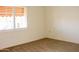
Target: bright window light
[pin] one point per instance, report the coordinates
(13, 17)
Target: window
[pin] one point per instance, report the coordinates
(13, 17)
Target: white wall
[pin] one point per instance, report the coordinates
(34, 31)
(63, 23)
(60, 23)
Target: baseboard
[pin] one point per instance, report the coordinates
(21, 43)
(36, 40)
(63, 40)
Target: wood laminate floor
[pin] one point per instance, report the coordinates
(45, 45)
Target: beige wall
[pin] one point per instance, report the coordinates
(60, 23)
(34, 31)
(63, 23)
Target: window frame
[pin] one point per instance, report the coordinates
(14, 28)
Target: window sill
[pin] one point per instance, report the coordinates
(13, 30)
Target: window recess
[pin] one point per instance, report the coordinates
(13, 17)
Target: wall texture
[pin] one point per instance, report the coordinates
(63, 23)
(34, 31)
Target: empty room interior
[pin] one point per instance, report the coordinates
(39, 29)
